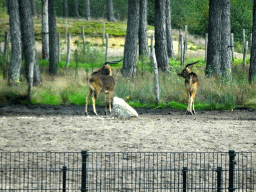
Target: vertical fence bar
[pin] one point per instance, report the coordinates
(126, 171)
(64, 169)
(184, 173)
(84, 174)
(232, 163)
(219, 182)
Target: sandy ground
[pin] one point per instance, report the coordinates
(65, 128)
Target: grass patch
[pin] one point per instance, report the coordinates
(70, 86)
(139, 92)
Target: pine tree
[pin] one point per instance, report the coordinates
(52, 37)
(110, 11)
(160, 36)
(252, 69)
(143, 36)
(15, 33)
(169, 30)
(45, 30)
(131, 40)
(213, 66)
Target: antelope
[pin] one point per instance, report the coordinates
(191, 83)
(101, 81)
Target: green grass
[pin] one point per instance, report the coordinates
(70, 85)
(71, 88)
(91, 28)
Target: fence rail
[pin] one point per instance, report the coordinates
(128, 171)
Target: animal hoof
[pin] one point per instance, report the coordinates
(189, 112)
(194, 112)
(85, 113)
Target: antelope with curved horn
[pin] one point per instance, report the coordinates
(101, 81)
(191, 83)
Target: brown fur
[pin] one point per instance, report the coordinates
(101, 81)
(191, 84)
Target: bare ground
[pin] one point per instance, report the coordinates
(65, 128)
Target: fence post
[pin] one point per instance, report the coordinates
(106, 52)
(244, 37)
(186, 39)
(64, 169)
(232, 46)
(84, 174)
(232, 163)
(103, 33)
(181, 49)
(83, 37)
(184, 172)
(68, 50)
(245, 52)
(219, 181)
(153, 59)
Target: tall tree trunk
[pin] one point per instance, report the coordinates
(52, 37)
(160, 36)
(213, 66)
(225, 39)
(65, 8)
(37, 74)
(252, 69)
(33, 8)
(131, 40)
(76, 8)
(143, 36)
(110, 11)
(87, 9)
(15, 65)
(45, 30)
(169, 29)
(28, 41)
(6, 55)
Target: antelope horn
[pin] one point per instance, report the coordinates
(113, 62)
(191, 64)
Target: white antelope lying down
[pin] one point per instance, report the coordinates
(101, 81)
(191, 83)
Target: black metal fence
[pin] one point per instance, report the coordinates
(127, 171)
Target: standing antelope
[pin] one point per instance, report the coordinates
(191, 83)
(101, 81)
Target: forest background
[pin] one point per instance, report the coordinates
(214, 93)
(194, 13)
